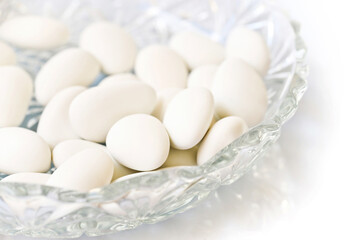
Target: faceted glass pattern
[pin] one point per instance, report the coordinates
(42, 211)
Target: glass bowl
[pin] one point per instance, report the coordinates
(43, 211)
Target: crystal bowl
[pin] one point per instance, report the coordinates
(149, 197)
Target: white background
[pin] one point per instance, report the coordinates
(308, 186)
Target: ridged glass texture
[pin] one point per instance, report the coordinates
(43, 211)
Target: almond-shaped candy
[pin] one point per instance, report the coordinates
(197, 49)
(116, 78)
(188, 117)
(86, 170)
(250, 46)
(7, 55)
(22, 150)
(163, 98)
(112, 45)
(239, 91)
(16, 89)
(34, 32)
(70, 67)
(66, 149)
(28, 177)
(54, 125)
(139, 142)
(224, 132)
(96, 110)
(161, 67)
(180, 158)
(202, 76)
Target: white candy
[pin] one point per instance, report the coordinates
(66, 149)
(239, 91)
(202, 76)
(7, 55)
(163, 98)
(249, 46)
(86, 170)
(180, 158)
(197, 49)
(70, 67)
(22, 150)
(139, 142)
(34, 32)
(15, 94)
(94, 111)
(116, 78)
(224, 132)
(161, 67)
(54, 125)
(111, 45)
(117, 111)
(28, 177)
(188, 117)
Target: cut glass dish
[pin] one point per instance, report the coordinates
(143, 198)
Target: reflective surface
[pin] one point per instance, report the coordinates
(151, 197)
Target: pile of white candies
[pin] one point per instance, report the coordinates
(184, 102)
